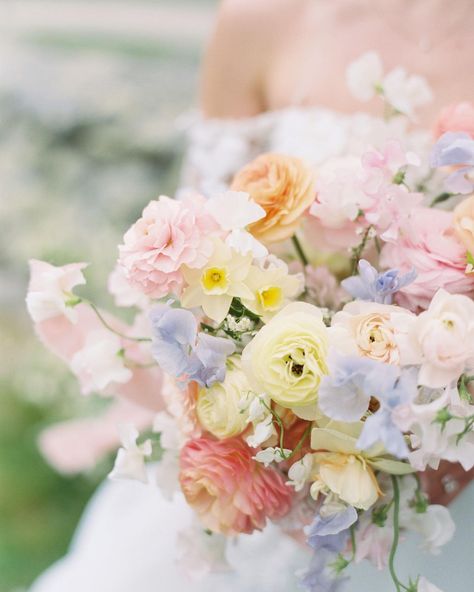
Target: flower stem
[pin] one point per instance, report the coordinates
(396, 534)
(299, 250)
(109, 328)
(357, 251)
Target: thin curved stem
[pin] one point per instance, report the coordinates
(396, 534)
(299, 250)
(109, 327)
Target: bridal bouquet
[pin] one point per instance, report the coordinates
(304, 342)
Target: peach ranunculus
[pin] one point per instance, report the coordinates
(284, 187)
(463, 223)
(431, 247)
(231, 492)
(457, 117)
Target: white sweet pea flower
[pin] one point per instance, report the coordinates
(167, 474)
(364, 75)
(50, 290)
(405, 92)
(130, 461)
(300, 472)
(262, 431)
(435, 526)
(425, 586)
(234, 211)
(99, 363)
(270, 455)
(165, 425)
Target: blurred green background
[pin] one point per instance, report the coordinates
(93, 103)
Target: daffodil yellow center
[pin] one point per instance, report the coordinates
(214, 280)
(270, 298)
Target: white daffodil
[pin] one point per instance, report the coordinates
(234, 211)
(300, 472)
(130, 461)
(215, 285)
(272, 288)
(270, 455)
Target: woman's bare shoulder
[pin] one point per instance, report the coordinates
(246, 34)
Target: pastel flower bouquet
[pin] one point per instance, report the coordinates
(304, 342)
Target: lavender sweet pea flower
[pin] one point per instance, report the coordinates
(317, 578)
(376, 286)
(183, 352)
(380, 426)
(344, 394)
(455, 149)
(330, 532)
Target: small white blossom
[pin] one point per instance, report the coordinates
(98, 364)
(262, 431)
(425, 586)
(405, 92)
(363, 75)
(239, 326)
(300, 472)
(269, 455)
(130, 461)
(167, 474)
(170, 436)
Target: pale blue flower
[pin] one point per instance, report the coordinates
(318, 577)
(376, 286)
(183, 352)
(344, 394)
(455, 149)
(330, 532)
(380, 426)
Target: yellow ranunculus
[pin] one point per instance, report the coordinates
(218, 406)
(344, 469)
(287, 358)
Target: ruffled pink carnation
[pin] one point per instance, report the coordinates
(169, 234)
(431, 247)
(230, 491)
(458, 117)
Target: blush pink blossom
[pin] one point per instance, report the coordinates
(373, 543)
(431, 247)
(169, 234)
(231, 492)
(77, 445)
(457, 117)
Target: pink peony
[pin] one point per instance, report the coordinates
(169, 234)
(431, 247)
(230, 491)
(457, 117)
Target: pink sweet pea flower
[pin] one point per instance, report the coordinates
(457, 117)
(231, 492)
(169, 234)
(431, 247)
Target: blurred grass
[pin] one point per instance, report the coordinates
(87, 138)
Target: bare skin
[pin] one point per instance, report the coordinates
(270, 54)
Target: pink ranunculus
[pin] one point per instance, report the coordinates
(169, 234)
(231, 492)
(457, 117)
(431, 247)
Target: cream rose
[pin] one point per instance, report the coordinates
(463, 222)
(218, 407)
(284, 187)
(287, 358)
(367, 329)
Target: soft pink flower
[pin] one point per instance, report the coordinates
(431, 247)
(457, 117)
(373, 543)
(77, 445)
(124, 293)
(323, 288)
(66, 339)
(230, 491)
(50, 289)
(169, 234)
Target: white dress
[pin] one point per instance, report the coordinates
(127, 540)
